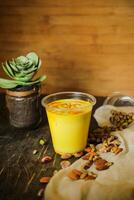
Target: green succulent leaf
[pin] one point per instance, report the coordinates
(33, 57)
(40, 79)
(9, 69)
(6, 71)
(24, 78)
(21, 70)
(13, 66)
(21, 60)
(4, 83)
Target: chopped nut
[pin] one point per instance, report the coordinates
(66, 156)
(35, 151)
(95, 158)
(91, 176)
(111, 138)
(65, 164)
(133, 117)
(87, 165)
(83, 175)
(89, 150)
(42, 141)
(116, 142)
(40, 192)
(45, 179)
(118, 150)
(114, 149)
(108, 149)
(109, 164)
(92, 173)
(86, 157)
(78, 154)
(46, 159)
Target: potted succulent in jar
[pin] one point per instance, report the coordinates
(22, 92)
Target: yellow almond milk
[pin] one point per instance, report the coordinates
(69, 123)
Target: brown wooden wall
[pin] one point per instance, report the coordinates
(85, 45)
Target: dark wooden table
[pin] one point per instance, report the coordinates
(20, 170)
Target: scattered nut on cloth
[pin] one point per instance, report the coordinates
(115, 183)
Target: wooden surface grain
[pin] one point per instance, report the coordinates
(84, 45)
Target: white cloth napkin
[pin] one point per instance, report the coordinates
(115, 183)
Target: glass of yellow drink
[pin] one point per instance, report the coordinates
(69, 116)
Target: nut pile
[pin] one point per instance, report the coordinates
(121, 120)
(101, 133)
(76, 174)
(91, 158)
(111, 144)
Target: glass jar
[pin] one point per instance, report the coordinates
(24, 107)
(119, 99)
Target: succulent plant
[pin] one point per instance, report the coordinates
(21, 70)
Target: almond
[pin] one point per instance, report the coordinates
(46, 159)
(45, 179)
(74, 174)
(101, 164)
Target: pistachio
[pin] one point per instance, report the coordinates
(132, 117)
(116, 142)
(118, 150)
(121, 119)
(114, 149)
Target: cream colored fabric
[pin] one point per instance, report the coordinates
(116, 183)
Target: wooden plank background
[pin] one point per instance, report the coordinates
(85, 45)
